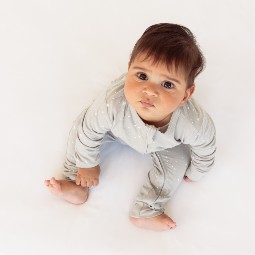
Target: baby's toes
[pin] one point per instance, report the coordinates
(47, 183)
(171, 224)
(54, 184)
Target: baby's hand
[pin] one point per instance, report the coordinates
(187, 179)
(87, 177)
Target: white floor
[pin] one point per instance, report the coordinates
(55, 56)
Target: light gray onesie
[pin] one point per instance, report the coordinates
(185, 147)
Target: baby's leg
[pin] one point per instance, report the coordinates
(67, 189)
(169, 167)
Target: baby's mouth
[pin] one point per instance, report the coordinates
(146, 104)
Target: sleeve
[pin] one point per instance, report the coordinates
(94, 122)
(203, 148)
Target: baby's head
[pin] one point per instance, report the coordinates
(161, 72)
(171, 45)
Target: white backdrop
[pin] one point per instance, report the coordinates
(55, 56)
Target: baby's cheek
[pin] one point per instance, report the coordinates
(128, 94)
(128, 90)
(167, 107)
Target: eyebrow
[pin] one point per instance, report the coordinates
(166, 76)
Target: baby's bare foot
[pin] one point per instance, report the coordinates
(68, 190)
(158, 223)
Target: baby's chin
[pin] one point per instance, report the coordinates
(147, 120)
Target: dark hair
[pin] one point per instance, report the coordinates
(171, 44)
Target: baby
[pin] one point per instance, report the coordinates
(150, 109)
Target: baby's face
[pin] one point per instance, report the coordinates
(154, 91)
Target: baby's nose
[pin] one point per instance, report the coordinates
(150, 89)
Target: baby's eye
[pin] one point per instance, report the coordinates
(142, 76)
(167, 84)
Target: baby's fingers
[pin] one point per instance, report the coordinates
(187, 179)
(90, 182)
(84, 182)
(95, 182)
(78, 179)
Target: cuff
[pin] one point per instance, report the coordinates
(143, 210)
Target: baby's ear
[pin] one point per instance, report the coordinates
(188, 93)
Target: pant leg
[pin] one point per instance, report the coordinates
(169, 167)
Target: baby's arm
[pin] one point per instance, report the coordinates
(203, 150)
(87, 177)
(92, 125)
